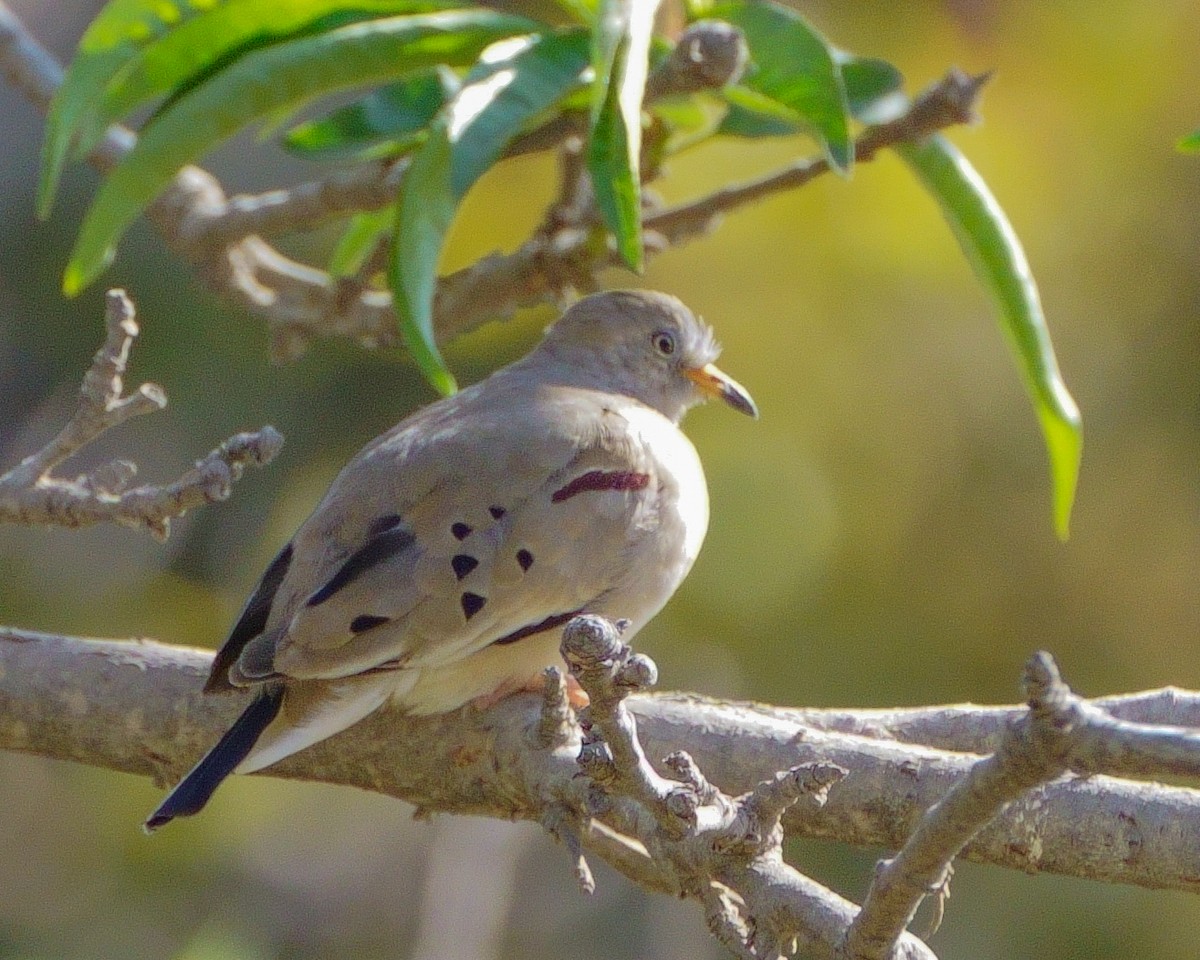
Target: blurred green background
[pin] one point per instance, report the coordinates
(881, 537)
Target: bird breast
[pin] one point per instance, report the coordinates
(682, 493)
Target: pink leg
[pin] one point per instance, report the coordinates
(535, 684)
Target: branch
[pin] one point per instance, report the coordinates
(30, 494)
(78, 700)
(1059, 733)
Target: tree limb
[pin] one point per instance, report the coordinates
(137, 708)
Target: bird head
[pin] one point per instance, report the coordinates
(648, 346)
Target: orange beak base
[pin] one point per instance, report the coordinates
(716, 383)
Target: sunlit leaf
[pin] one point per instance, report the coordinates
(620, 58)
(517, 82)
(873, 91)
(580, 11)
(995, 253)
(360, 238)
(690, 120)
(1190, 144)
(387, 120)
(267, 80)
(138, 50)
(793, 65)
(742, 120)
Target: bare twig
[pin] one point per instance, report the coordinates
(30, 494)
(723, 851)
(1060, 732)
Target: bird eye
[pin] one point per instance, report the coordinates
(664, 343)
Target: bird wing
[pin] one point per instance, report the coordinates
(477, 522)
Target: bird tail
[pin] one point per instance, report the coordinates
(193, 791)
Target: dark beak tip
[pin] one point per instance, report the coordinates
(742, 402)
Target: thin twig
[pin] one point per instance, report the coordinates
(30, 494)
(1060, 732)
(725, 852)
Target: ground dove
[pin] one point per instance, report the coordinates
(448, 555)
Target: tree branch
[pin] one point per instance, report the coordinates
(137, 708)
(1059, 732)
(30, 494)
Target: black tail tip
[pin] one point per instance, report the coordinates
(155, 820)
(192, 792)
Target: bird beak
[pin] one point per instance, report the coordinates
(714, 383)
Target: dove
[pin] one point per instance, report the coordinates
(447, 556)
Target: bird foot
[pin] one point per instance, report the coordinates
(576, 696)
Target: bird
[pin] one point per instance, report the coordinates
(447, 556)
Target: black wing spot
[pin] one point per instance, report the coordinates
(463, 563)
(524, 558)
(379, 548)
(461, 531)
(383, 524)
(497, 512)
(472, 603)
(365, 622)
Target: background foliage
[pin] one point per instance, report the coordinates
(880, 537)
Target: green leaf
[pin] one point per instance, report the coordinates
(387, 121)
(137, 50)
(267, 80)
(580, 11)
(872, 95)
(872, 88)
(793, 65)
(744, 120)
(514, 83)
(690, 120)
(995, 253)
(112, 39)
(620, 58)
(1189, 144)
(362, 234)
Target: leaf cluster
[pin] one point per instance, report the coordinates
(450, 88)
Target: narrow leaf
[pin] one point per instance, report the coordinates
(792, 64)
(137, 50)
(690, 120)
(387, 121)
(108, 44)
(620, 58)
(995, 253)
(265, 81)
(363, 232)
(424, 212)
(743, 119)
(184, 58)
(518, 81)
(579, 11)
(873, 91)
